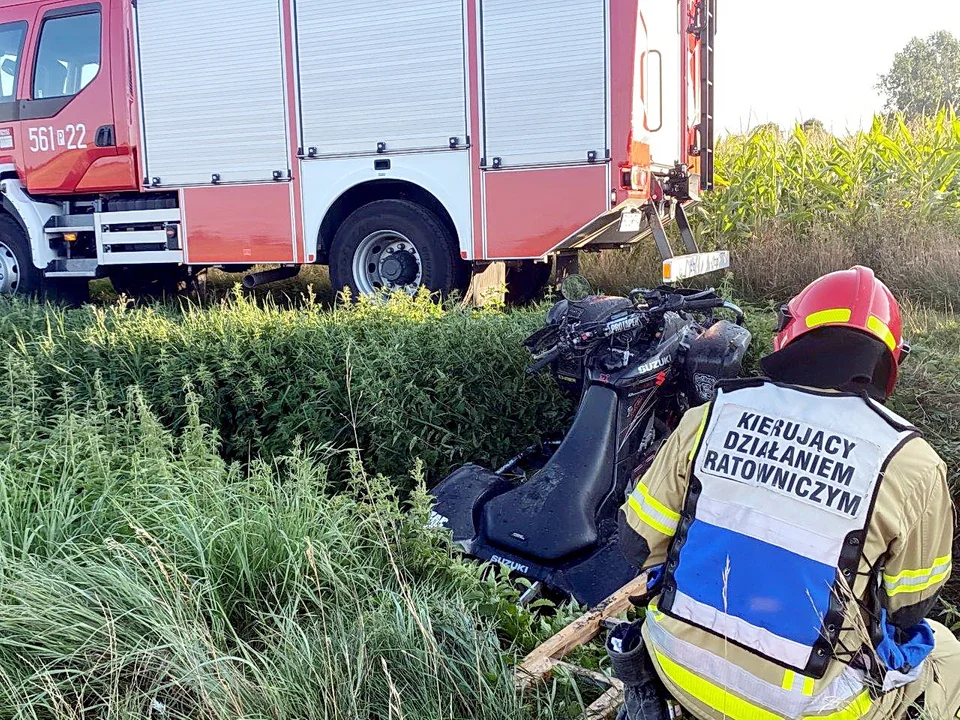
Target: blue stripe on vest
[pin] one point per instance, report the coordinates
(767, 586)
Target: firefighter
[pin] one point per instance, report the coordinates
(804, 532)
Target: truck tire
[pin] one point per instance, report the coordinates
(18, 276)
(150, 282)
(526, 281)
(393, 245)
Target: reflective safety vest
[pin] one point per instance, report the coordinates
(780, 495)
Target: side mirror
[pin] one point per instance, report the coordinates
(575, 288)
(9, 66)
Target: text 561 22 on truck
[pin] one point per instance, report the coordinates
(404, 143)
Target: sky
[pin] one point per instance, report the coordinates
(788, 60)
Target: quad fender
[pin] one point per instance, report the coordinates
(33, 216)
(459, 498)
(716, 355)
(458, 504)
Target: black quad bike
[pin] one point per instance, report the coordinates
(636, 364)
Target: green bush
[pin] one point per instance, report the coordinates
(402, 379)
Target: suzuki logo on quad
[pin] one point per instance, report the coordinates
(512, 564)
(655, 364)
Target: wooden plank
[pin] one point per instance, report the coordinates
(538, 664)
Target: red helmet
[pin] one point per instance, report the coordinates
(852, 298)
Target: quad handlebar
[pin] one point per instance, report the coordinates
(654, 304)
(546, 358)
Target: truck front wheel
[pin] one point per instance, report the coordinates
(393, 245)
(18, 276)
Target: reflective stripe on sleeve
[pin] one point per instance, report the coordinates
(914, 581)
(652, 512)
(699, 436)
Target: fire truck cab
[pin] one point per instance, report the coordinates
(404, 143)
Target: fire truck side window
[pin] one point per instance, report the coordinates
(69, 55)
(11, 45)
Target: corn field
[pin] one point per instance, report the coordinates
(911, 170)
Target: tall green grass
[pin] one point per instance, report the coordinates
(141, 575)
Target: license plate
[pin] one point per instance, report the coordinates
(682, 267)
(631, 222)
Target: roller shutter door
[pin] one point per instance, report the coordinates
(212, 90)
(544, 77)
(381, 71)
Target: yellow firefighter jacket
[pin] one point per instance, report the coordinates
(788, 521)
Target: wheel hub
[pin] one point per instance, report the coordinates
(9, 270)
(387, 260)
(399, 267)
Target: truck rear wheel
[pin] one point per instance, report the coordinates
(393, 245)
(18, 276)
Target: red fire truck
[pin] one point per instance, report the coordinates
(404, 143)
